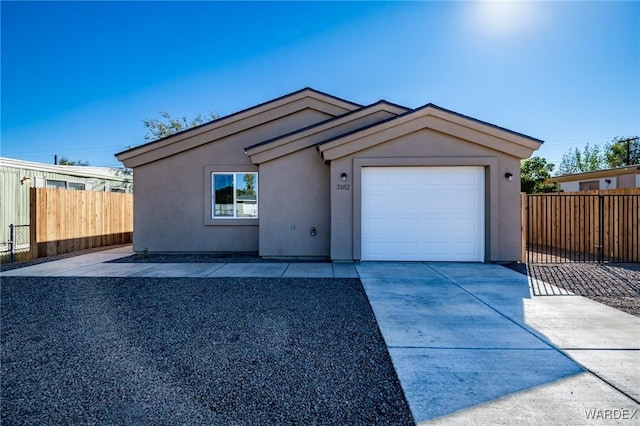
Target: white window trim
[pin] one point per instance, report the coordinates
(84, 186)
(207, 194)
(47, 181)
(87, 186)
(235, 199)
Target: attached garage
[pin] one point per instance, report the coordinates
(427, 185)
(423, 213)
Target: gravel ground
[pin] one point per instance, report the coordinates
(615, 285)
(193, 351)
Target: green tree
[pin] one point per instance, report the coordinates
(534, 172)
(63, 161)
(622, 152)
(575, 161)
(158, 128)
(250, 185)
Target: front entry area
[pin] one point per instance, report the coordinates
(423, 213)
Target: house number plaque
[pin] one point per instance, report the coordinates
(343, 187)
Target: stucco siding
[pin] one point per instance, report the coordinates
(294, 198)
(627, 181)
(508, 237)
(342, 211)
(570, 186)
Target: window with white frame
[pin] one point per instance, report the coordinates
(234, 195)
(60, 184)
(78, 186)
(63, 184)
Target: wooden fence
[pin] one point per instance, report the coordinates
(589, 226)
(63, 221)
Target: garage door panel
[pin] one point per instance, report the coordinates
(406, 248)
(378, 249)
(379, 205)
(376, 226)
(405, 226)
(423, 213)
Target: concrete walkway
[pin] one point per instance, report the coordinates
(93, 265)
(468, 342)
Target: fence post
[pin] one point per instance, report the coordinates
(33, 221)
(12, 243)
(524, 208)
(601, 228)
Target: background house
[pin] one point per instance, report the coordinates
(17, 176)
(620, 177)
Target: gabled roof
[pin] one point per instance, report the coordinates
(234, 123)
(311, 135)
(435, 118)
(597, 174)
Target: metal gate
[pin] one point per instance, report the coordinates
(17, 248)
(581, 228)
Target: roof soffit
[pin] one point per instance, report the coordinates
(235, 123)
(432, 118)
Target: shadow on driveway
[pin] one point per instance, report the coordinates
(614, 284)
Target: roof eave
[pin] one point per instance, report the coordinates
(153, 151)
(291, 142)
(434, 118)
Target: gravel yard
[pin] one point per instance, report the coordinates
(194, 351)
(615, 285)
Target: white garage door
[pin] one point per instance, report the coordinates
(423, 213)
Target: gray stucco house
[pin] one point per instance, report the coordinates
(312, 175)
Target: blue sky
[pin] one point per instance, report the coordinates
(78, 78)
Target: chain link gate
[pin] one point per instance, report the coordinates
(17, 248)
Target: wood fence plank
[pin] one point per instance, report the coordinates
(66, 220)
(569, 226)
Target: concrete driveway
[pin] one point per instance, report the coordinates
(469, 343)
(471, 346)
